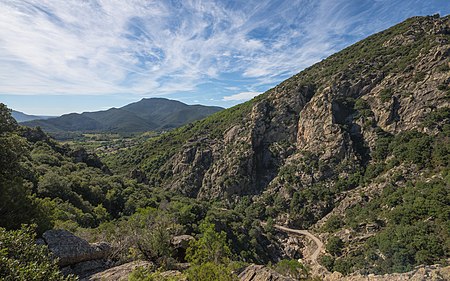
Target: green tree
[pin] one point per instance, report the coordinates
(211, 247)
(334, 246)
(210, 256)
(16, 204)
(21, 259)
(292, 268)
(211, 272)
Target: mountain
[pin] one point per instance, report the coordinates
(354, 148)
(146, 115)
(22, 117)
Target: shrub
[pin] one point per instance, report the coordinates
(210, 271)
(333, 223)
(419, 77)
(211, 247)
(291, 268)
(328, 262)
(22, 259)
(334, 246)
(386, 95)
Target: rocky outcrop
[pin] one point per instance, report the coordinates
(75, 255)
(261, 273)
(425, 273)
(118, 273)
(181, 241)
(331, 111)
(180, 244)
(90, 159)
(71, 249)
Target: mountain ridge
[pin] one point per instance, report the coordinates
(367, 118)
(23, 117)
(145, 115)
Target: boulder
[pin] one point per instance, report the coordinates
(261, 273)
(71, 249)
(172, 275)
(85, 269)
(118, 273)
(180, 244)
(181, 241)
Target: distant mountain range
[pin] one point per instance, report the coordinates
(145, 115)
(22, 117)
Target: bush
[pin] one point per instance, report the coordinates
(291, 268)
(22, 259)
(210, 271)
(327, 262)
(386, 95)
(211, 247)
(332, 224)
(334, 246)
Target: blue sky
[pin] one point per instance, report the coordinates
(83, 55)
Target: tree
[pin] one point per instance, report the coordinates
(7, 122)
(211, 272)
(21, 259)
(210, 256)
(16, 205)
(334, 246)
(211, 247)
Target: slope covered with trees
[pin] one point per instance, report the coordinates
(365, 129)
(146, 115)
(355, 149)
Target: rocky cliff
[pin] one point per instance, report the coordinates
(330, 113)
(323, 136)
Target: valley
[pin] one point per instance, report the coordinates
(340, 172)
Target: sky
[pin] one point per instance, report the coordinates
(84, 55)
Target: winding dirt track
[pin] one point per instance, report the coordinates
(308, 234)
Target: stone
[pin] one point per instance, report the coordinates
(119, 273)
(85, 269)
(180, 244)
(261, 273)
(71, 249)
(182, 241)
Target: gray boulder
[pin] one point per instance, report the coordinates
(261, 273)
(71, 249)
(182, 241)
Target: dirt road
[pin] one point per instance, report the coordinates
(308, 234)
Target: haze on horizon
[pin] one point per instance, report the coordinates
(73, 56)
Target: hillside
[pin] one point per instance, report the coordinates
(339, 172)
(146, 115)
(354, 148)
(22, 117)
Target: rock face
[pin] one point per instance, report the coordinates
(292, 145)
(261, 273)
(181, 241)
(180, 244)
(118, 273)
(330, 113)
(71, 249)
(432, 273)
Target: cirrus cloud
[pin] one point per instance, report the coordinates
(241, 96)
(150, 48)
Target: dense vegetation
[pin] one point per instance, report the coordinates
(21, 259)
(412, 208)
(401, 180)
(146, 115)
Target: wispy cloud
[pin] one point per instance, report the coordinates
(241, 96)
(164, 47)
